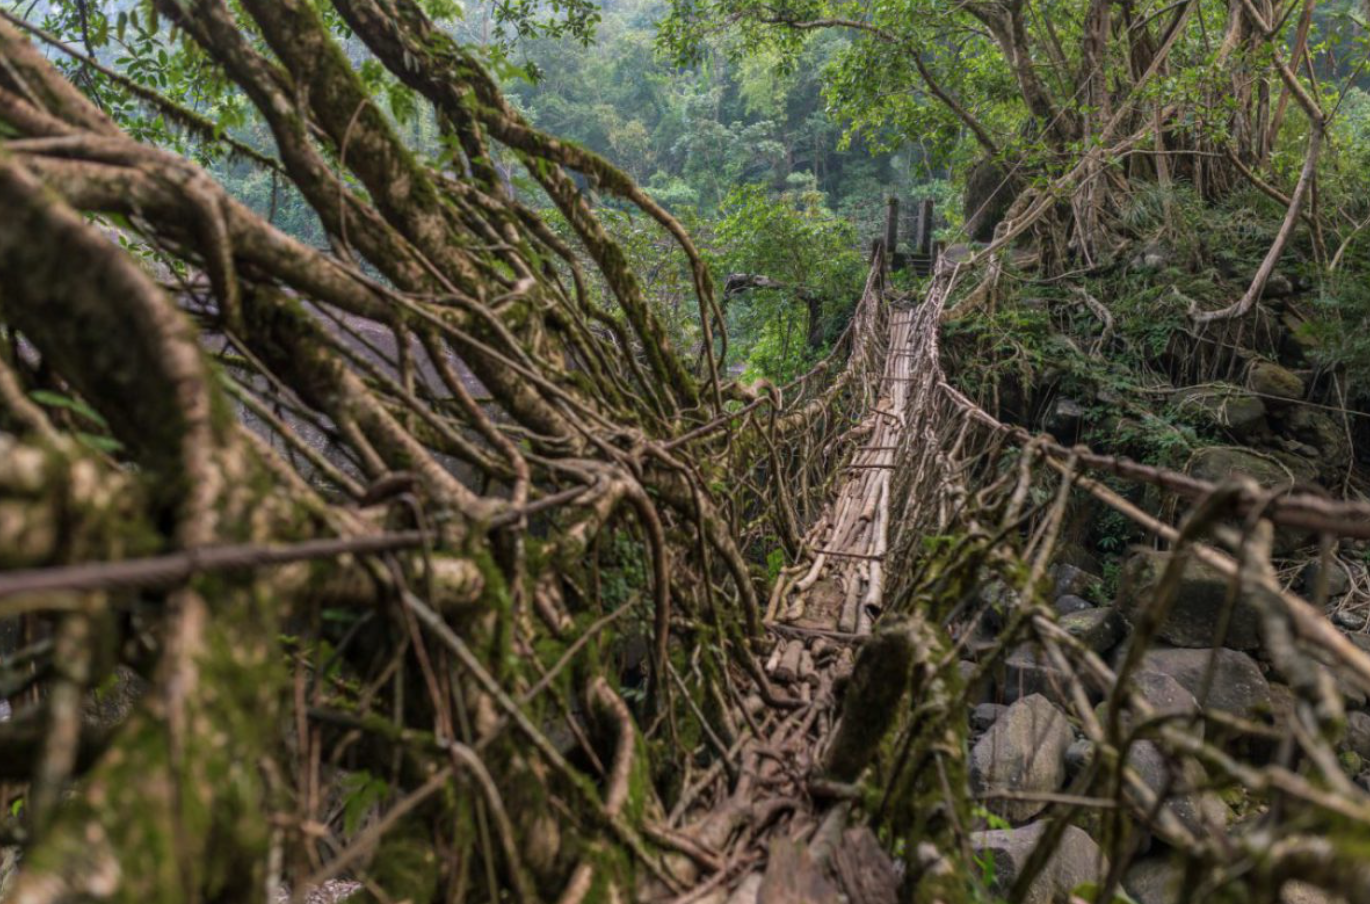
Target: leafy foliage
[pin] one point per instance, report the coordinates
(798, 243)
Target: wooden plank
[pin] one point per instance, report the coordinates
(838, 554)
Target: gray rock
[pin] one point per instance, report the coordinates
(1071, 580)
(1274, 383)
(1098, 629)
(1027, 670)
(1182, 781)
(1226, 407)
(1070, 552)
(331, 892)
(1198, 606)
(1218, 463)
(109, 705)
(1151, 258)
(1324, 433)
(1152, 880)
(1282, 703)
(1063, 419)
(1238, 687)
(1076, 861)
(1024, 750)
(1069, 603)
(996, 598)
(1277, 285)
(1296, 892)
(1156, 880)
(5, 712)
(1164, 696)
(1349, 685)
(1338, 581)
(1299, 343)
(1348, 619)
(985, 715)
(1357, 737)
(1078, 756)
(1302, 468)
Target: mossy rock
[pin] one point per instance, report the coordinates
(1272, 381)
(1273, 472)
(1197, 609)
(1298, 343)
(1226, 407)
(1278, 471)
(1099, 629)
(1325, 433)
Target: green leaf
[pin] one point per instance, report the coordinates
(361, 792)
(57, 400)
(106, 444)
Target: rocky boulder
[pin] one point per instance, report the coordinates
(1277, 285)
(1063, 419)
(1323, 432)
(1357, 737)
(1299, 343)
(1098, 629)
(1023, 751)
(1274, 383)
(1027, 671)
(1071, 580)
(1218, 463)
(1157, 880)
(1183, 782)
(1277, 471)
(1338, 580)
(1078, 756)
(1153, 880)
(1151, 258)
(1163, 696)
(1296, 892)
(1229, 408)
(1069, 603)
(983, 715)
(112, 703)
(1076, 861)
(1199, 603)
(1237, 687)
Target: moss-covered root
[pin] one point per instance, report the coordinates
(175, 810)
(879, 681)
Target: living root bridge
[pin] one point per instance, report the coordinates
(883, 632)
(318, 602)
(472, 689)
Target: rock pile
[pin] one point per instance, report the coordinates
(1027, 748)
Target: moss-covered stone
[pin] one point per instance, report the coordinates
(1228, 408)
(1199, 606)
(1271, 381)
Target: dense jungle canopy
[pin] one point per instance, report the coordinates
(684, 450)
